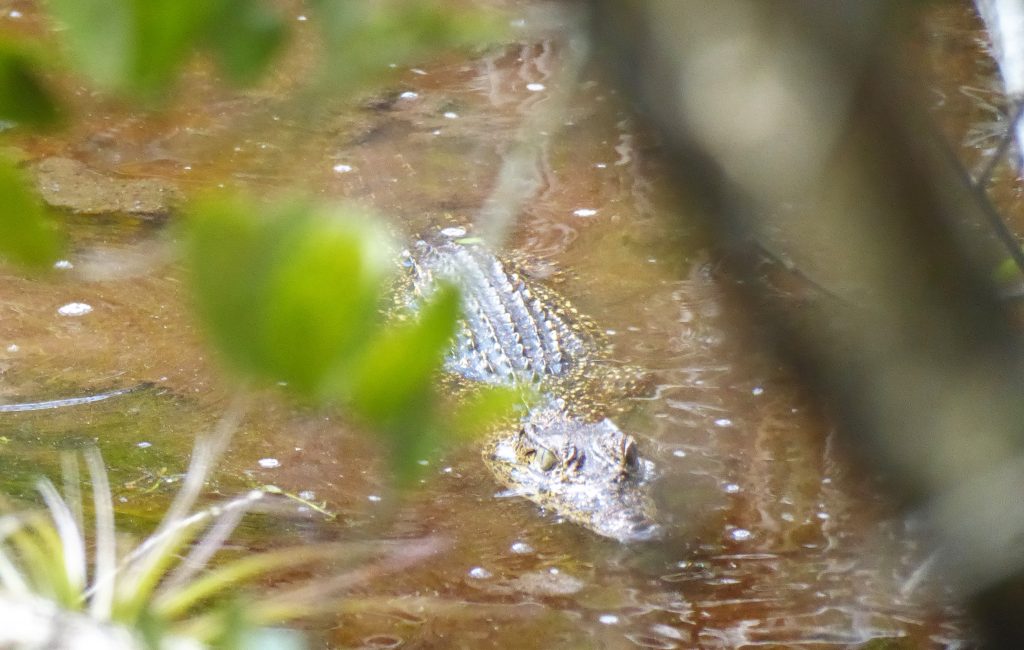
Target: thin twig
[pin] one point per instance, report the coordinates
(1004, 145)
(517, 183)
(1003, 232)
(101, 603)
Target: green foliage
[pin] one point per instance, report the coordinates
(363, 38)
(26, 234)
(24, 96)
(247, 49)
(293, 293)
(153, 588)
(289, 293)
(401, 361)
(1006, 272)
(481, 410)
(139, 46)
(98, 36)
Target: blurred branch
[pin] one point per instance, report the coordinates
(790, 123)
(518, 177)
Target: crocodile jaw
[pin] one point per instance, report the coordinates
(586, 472)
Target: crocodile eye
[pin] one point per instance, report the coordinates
(545, 460)
(630, 456)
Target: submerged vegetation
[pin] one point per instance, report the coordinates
(161, 592)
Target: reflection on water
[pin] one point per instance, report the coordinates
(775, 542)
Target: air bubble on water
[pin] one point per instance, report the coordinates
(342, 168)
(63, 265)
(584, 212)
(740, 534)
(74, 309)
(269, 463)
(521, 548)
(723, 422)
(535, 87)
(667, 631)
(408, 95)
(454, 231)
(383, 641)
(731, 488)
(608, 619)
(479, 573)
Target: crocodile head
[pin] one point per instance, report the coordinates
(588, 472)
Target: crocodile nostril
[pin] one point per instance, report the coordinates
(644, 530)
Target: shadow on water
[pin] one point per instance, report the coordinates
(774, 541)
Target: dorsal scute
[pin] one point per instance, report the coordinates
(514, 330)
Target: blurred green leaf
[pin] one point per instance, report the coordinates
(363, 38)
(132, 45)
(139, 46)
(482, 410)
(230, 253)
(290, 295)
(400, 363)
(245, 37)
(26, 235)
(24, 97)
(322, 299)
(165, 33)
(294, 294)
(1006, 272)
(99, 36)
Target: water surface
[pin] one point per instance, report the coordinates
(775, 539)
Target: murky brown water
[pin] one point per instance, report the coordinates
(776, 540)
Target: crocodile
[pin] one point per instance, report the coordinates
(564, 453)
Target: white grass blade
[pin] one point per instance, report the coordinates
(72, 486)
(101, 603)
(72, 544)
(156, 553)
(212, 541)
(205, 453)
(10, 577)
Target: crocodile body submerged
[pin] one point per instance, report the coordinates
(564, 454)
